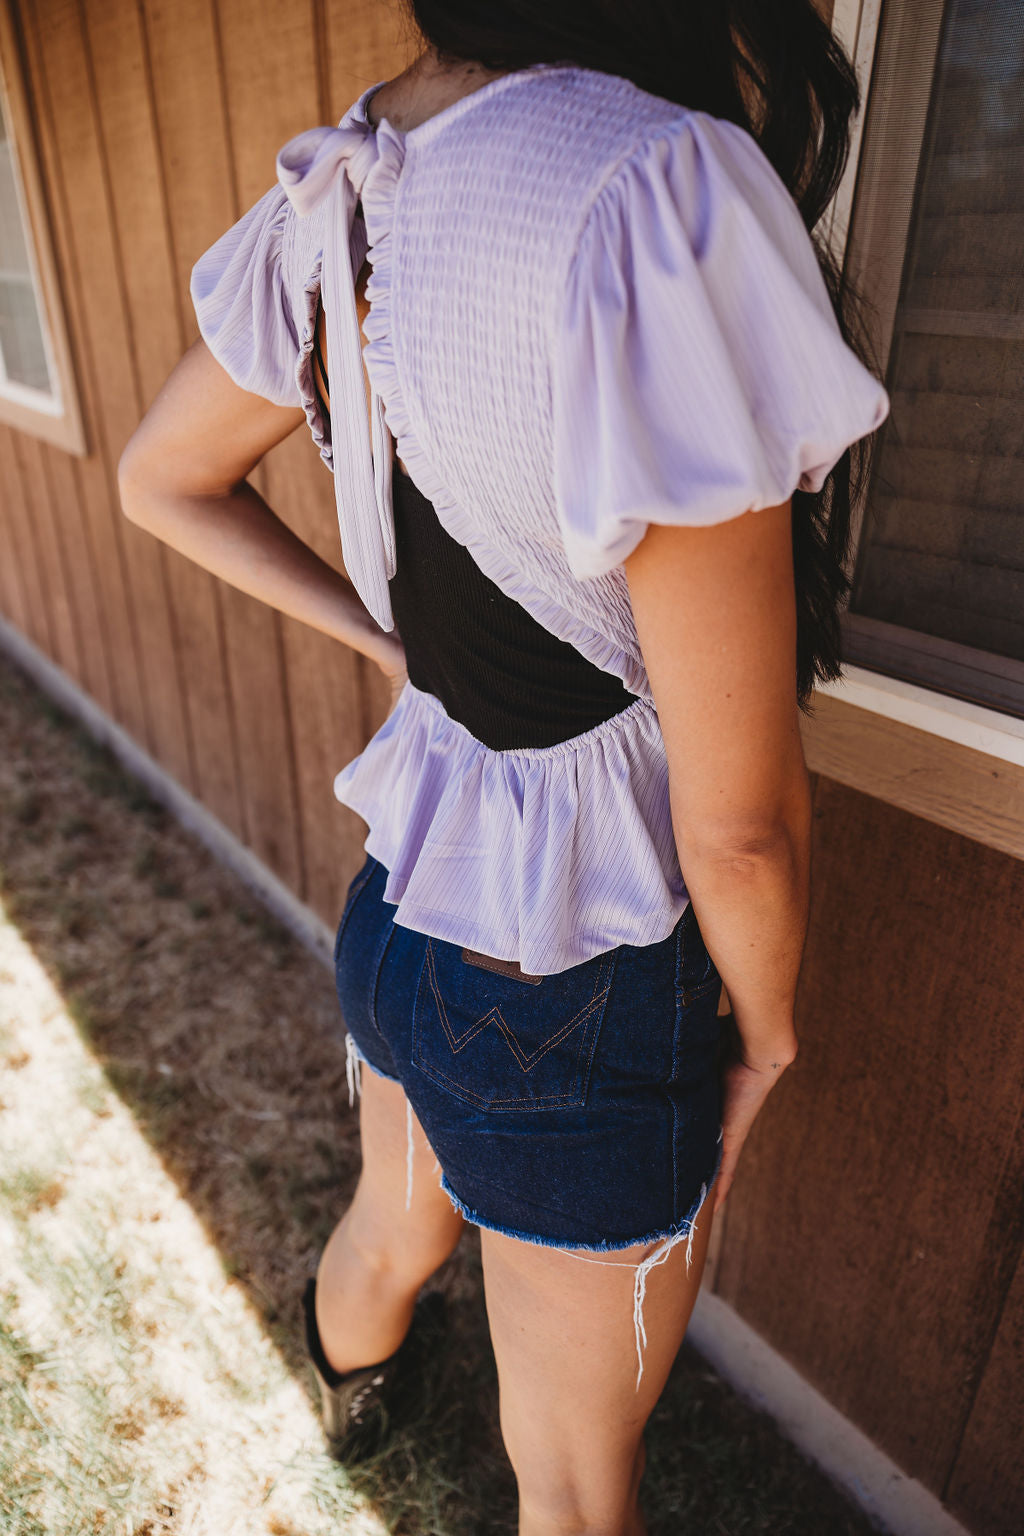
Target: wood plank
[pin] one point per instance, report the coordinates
(967, 365)
(325, 684)
(190, 115)
(867, 1238)
(956, 787)
(981, 606)
(948, 474)
(987, 1486)
(271, 88)
(270, 80)
(136, 294)
(25, 561)
(975, 423)
(18, 582)
(35, 495)
(80, 562)
(986, 244)
(964, 289)
(49, 38)
(973, 180)
(967, 119)
(139, 101)
(364, 41)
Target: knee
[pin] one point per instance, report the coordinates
(559, 1498)
(389, 1253)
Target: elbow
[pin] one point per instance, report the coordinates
(134, 483)
(746, 856)
(745, 845)
(144, 486)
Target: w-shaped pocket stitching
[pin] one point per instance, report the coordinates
(499, 1043)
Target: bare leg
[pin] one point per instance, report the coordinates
(380, 1253)
(571, 1414)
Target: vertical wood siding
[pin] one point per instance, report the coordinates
(156, 125)
(874, 1235)
(875, 1232)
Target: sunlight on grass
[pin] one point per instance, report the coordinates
(139, 1393)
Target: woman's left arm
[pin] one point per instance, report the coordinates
(182, 478)
(715, 613)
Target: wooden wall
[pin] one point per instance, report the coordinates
(157, 125)
(875, 1234)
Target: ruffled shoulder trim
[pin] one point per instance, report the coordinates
(700, 372)
(242, 301)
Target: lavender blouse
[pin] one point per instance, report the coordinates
(591, 309)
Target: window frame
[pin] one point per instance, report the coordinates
(58, 418)
(901, 738)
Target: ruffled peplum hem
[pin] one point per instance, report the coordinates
(547, 856)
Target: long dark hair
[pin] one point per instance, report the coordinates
(773, 67)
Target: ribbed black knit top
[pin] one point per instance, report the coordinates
(496, 671)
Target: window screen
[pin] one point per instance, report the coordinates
(23, 353)
(941, 552)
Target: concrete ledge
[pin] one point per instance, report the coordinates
(299, 919)
(897, 1503)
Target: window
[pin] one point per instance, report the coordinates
(938, 245)
(37, 392)
(24, 367)
(930, 713)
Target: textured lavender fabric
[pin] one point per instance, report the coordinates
(590, 309)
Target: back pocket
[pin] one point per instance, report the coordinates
(501, 1043)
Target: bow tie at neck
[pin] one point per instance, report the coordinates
(328, 168)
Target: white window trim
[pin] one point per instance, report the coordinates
(970, 725)
(53, 415)
(49, 401)
(857, 24)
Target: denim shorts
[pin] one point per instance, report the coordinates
(581, 1110)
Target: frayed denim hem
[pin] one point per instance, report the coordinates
(567, 1245)
(666, 1239)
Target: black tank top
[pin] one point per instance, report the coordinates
(494, 668)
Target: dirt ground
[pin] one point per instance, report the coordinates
(171, 1062)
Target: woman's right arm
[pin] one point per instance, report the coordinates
(182, 478)
(715, 614)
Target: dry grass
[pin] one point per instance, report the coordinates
(175, 1145)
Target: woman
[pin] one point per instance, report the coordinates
(602, 574)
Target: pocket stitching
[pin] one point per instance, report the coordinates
(548, 1101)
(526, 1063)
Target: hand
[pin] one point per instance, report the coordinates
(745, 1086)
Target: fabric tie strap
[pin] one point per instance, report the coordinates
(328, 166)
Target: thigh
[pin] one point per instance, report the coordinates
(398, 1201)
(564, 1331)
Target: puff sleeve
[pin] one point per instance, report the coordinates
(699, 371)
(241, 298)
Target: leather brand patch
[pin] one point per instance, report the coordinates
(501, 967)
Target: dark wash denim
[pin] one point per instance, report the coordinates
(581, 1111)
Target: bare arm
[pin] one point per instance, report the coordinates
(182, 477)
(716, 619)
